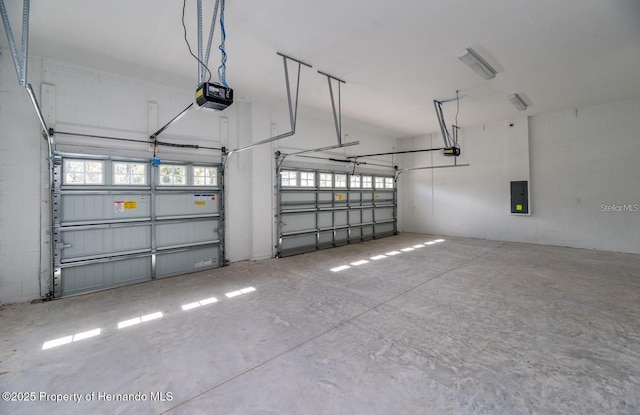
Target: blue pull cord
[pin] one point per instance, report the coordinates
(223, 60)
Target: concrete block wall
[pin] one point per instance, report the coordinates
(583, 181)
(20, 186)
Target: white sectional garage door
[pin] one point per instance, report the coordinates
(320, 209)
(119, 221)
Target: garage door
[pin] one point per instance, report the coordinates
(119, 221)
(320, 209)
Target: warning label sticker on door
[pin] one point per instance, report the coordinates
(201, 200)
(119, 206)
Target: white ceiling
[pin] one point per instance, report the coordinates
(395, 56)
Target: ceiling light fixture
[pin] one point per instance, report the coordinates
(517, 102)
(476, 63)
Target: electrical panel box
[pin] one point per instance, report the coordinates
(520, 197)
(213, 96)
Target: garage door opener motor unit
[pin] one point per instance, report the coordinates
(213, 96)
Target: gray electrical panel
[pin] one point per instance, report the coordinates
(520, 197)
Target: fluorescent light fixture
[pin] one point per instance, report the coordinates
(474, 61)
(517, 102)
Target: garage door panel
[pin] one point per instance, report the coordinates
(180, 233)
(113, 224)
(102, 275)
(187, 260)
(325, 196)
(326, 237)
(354, 217)
(384, 229)
(341, 218)
(342, 235)
(100, 208)
(302, 197)
(384, 213)
(186, 204)
(298, 241)
(104, 242)
(383, 196)
(343, 208)
(325, 219)
(298, 222)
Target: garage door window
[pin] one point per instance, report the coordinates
(129, 174)
(307, 179)
(173, 175)
(83, 172)
(355, 182)
(326, 180)
(205, 176)
(366, 182)
(289, 178)
(341, 180)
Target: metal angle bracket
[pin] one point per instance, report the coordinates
(293, 108)
(449, 142)
(337, 116)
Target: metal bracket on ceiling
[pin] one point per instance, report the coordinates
(293, 109)
(449, 142)
(337, 116)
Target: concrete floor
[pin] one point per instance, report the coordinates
(461, 326)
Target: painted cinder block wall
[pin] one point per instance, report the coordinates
(20, 186)
(581, 162)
